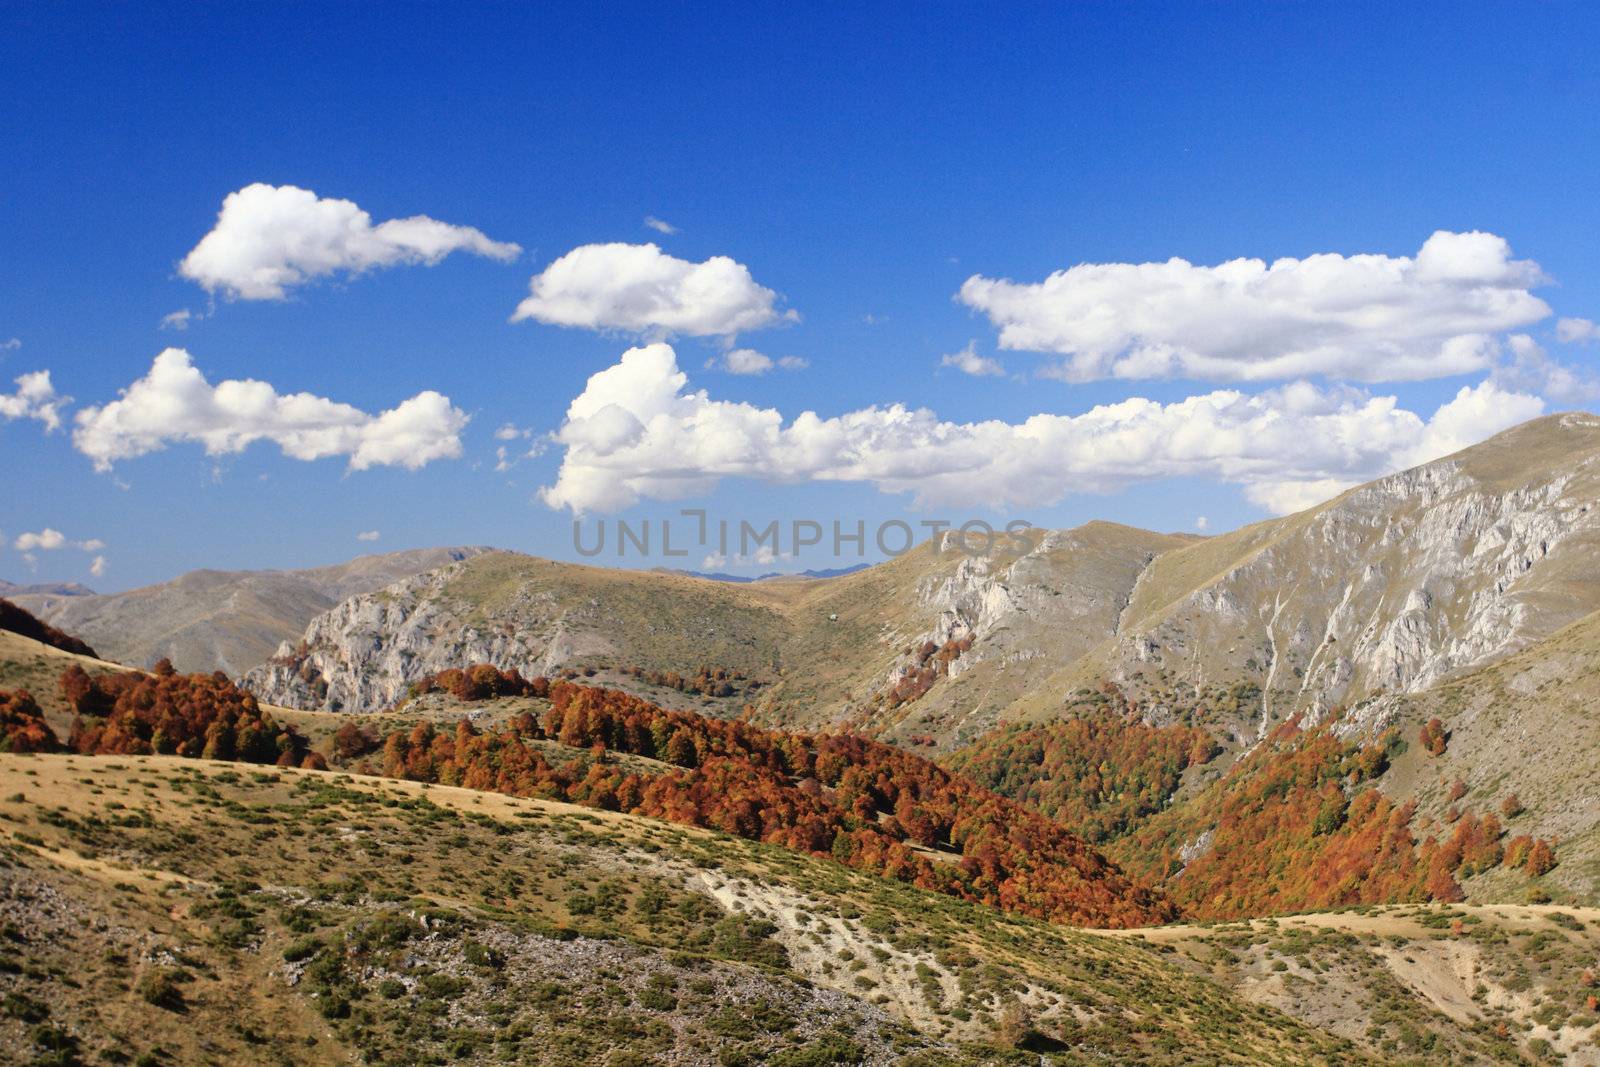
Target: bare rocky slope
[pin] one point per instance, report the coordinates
(1389, 588)
(824, 651)
(222, 620)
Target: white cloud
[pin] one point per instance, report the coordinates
(35, 398)
(367, 535)
(47, 540)
(967, 361)
(504, 458)
(637, 432)
(1368, 318)
(269, 239)
(748, 361)
(98, 567)
(1527, 368)
(174, 402)
(52, 540)
(1201, 522)
(1574, 331)
(11, 345)
(660, 225)
(178, 320)
(640, 289)
(745, 361)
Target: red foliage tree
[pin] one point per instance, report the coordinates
(167, 713)
(1300, 824)
(1541, 858)
(872, 806)
(22, 725)
(1099, 773)
(1433, 737)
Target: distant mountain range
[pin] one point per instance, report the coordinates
(722, 576)
(219, 620)
(12, 589)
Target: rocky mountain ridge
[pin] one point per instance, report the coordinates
(1388, 588)
(223, 620)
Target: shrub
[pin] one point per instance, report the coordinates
(302, 949)
(161, 987)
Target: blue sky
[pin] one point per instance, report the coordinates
(859, 167)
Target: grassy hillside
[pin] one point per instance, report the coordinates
(185, 911)
(1525, 727)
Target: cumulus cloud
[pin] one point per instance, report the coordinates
(637, 431)
(367, 535)
(269, 239)
(660, 225)
(51, 540)
(967, 361)
(35, 398)
(98, 567)
(1528, 368)
(174, 402)
(748, 361)
(178, 320)
(1368, 318)
(47, 540)
(1201, 523)
(640, 289)
(1574, 331)
(744, 361)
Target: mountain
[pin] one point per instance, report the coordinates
(1388, 588)
(12, 589)
(865, 648)
(386, 920)
(392, 920)
(222, 620)
(1244, 720)
(1432, 737)
(827, 572)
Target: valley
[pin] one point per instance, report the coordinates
(1104, 795)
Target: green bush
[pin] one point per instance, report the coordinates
(302, 949)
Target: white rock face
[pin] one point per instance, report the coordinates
(362, 654)
(1387, 589)
(1396, 585)
(1026, 615)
